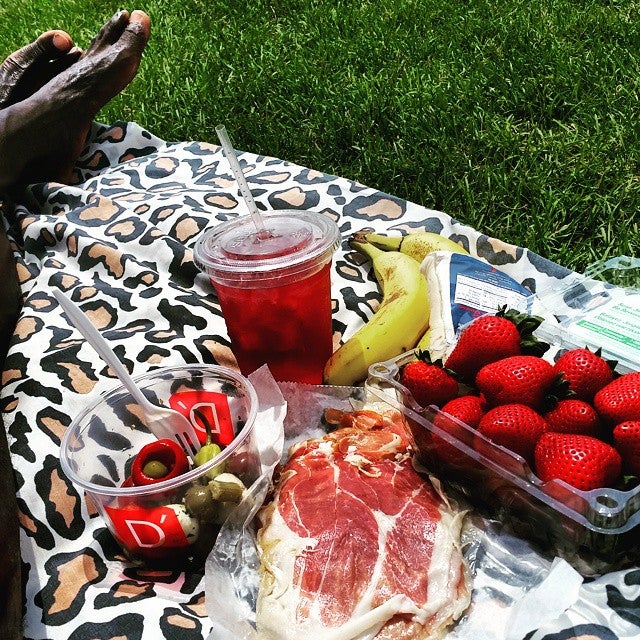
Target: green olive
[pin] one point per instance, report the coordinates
(199, 502)
(155, 469)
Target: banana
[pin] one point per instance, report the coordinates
(425, 340)
(395, 327)
(415, 245)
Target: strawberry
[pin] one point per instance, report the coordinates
(428, 382)
(468, 409)
(491, 337)
(586, 371)
(619, 401)
(626, 439)
(581, 461)
(517, 379)
(573, 416)
(514, 426)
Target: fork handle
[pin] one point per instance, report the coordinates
(81, 322)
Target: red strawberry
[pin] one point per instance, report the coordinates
(517, 379)
(514, 426)
(428, 382)
(581, 461)
(468, 409)
(626, 439)
(492, 337)
(586, 371)
(619, 401)
(573, 416)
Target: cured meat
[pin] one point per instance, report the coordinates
(356, 543)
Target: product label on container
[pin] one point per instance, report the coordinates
(615, 327)
(200, 406)
(141, 530)
(461, 288)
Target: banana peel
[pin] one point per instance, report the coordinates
(425, 341)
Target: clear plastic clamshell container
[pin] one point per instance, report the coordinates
(598, 530)
(598, 309)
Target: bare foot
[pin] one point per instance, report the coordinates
(51, 103)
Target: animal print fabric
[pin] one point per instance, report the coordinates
(119, 242)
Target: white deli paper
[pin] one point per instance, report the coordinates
(546, 601)
(515, 589)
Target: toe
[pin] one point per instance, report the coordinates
(27, 61)
(140, 21)
(138, 31)
(51, 44)
(55, 42)
(110, 31)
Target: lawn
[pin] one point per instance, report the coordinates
(520, 119)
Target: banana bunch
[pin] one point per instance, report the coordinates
(397, 324)
(401, 321)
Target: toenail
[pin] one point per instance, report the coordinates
(61, 42)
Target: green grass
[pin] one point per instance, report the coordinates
(520, 119)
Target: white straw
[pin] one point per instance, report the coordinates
(241, 180)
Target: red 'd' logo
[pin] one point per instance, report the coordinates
(210, 406)
(147, 531)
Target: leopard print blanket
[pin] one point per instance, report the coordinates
(120, 240)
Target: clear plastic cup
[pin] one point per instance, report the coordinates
(172, 522)
(275, 290)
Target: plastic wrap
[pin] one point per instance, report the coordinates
(505, 569)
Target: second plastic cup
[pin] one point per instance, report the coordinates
(275, 290)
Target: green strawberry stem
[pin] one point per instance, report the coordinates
(526, 325)
(558, 390)
(611, 363)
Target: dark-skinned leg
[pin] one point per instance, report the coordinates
(10, 570)
(22, 73)
(42, 135)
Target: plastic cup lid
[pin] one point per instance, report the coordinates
(296, 241)
(283, 237)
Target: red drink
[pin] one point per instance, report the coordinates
(287, 326)
(275, 291)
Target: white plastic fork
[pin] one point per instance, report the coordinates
(163, 422)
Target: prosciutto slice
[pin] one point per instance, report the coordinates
(356, 544)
